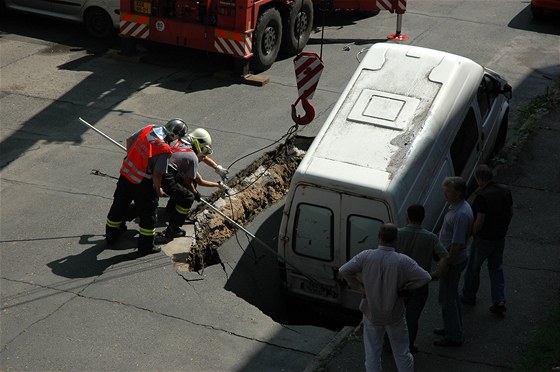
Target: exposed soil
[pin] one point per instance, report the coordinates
(261, 184)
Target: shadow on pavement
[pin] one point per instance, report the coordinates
(87, 264)
(545, 24)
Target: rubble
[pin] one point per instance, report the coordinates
(263, 183)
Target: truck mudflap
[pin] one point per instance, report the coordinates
(233, 43)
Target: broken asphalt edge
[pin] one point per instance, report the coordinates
(331, 348)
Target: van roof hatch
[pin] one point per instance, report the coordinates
(393, 111)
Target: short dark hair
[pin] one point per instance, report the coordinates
(416, 213)
(388, 233)
(456, 183)
(483, 173)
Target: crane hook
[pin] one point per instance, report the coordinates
(309, 112)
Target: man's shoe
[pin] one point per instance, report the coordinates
(447, 343)
(467, 302)
(154, 249)
(498, 308)
(439, 331)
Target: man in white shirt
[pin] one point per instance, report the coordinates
(383, 273)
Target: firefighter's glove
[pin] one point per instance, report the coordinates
(222, 186)
(197, 196)
(222, 172)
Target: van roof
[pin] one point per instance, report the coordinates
(398, 95)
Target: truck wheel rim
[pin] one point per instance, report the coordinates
(269, 40)
(301, 24)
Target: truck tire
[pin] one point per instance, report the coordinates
(98, 23)
(266, 40)
(297, 27)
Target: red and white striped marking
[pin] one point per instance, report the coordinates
(394, 6)
(233, 43)
(308, 68)
(400, 6)
(135, 26)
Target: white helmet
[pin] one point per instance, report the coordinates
(201, 141)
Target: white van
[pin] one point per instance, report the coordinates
(408, 118)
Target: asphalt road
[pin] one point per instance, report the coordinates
(70, 304)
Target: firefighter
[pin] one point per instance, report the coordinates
(142, 169)
(201, 134)
(182, 178)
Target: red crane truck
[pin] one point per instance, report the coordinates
(253, 31)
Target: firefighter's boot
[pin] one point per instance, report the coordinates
(174, 229)
(146, 245)
(113, 231)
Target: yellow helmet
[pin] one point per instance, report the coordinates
(201, 141)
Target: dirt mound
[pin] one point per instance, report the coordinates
(261, 184)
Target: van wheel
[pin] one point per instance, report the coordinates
(98, 23)
(266, 40)
(502, 134)
(297, 27)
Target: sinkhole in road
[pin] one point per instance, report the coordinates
(258, 186)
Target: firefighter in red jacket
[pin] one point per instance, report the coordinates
(142, 169)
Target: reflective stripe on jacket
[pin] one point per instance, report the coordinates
(147, 144)
(180, 146)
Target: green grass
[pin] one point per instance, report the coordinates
(543, 353)
(526, 123)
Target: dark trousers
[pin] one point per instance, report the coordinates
(414, 306)
(145, 200)
(180, 199)
(450, 303)
(482, 250)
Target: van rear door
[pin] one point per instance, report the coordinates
(325, 229)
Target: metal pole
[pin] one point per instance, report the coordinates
(103, 134)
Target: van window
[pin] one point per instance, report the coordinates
(464, 143)
(362, 234)
(313, 231)
(483, 99)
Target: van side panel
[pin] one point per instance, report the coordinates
(433, 199)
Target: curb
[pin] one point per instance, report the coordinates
(330, 349)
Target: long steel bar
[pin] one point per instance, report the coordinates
(103, 134)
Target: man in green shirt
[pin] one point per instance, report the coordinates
(422, 246)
